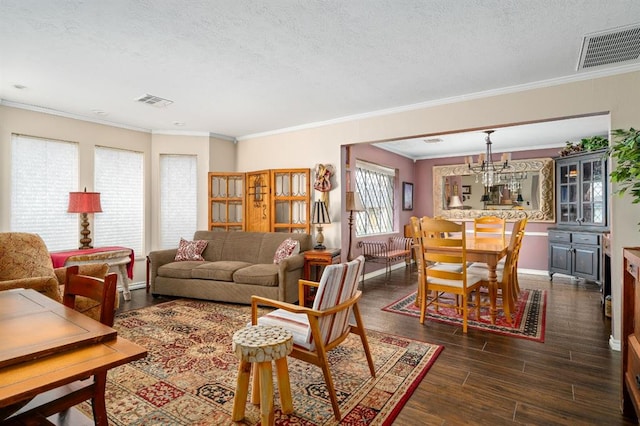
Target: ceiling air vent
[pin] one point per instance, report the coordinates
(155, 101)
(617, 46)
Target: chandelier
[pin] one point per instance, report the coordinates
(485, 170)
(513, 180)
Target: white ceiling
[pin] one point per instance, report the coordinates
(523, 137)
(244, 67)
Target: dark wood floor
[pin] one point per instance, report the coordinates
(483, 378)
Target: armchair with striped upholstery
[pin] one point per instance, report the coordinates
(325, 325)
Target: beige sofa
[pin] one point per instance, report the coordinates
(237, 265)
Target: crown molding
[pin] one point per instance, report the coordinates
(70, 115)
(589, 75)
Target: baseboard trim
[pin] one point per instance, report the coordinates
(615, 344)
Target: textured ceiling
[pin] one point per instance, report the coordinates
(243, 67)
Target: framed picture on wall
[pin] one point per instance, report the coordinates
(466, 189)
(407, 196)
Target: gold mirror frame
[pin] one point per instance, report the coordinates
(546, 213)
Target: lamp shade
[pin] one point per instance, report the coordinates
(455, 202)
(320, 214)
(84, 202)
(353, 202)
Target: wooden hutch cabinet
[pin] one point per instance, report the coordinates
(575, 244)
(276, 200)
(630, 397)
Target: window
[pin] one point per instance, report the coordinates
(119, 176)
(178, 198)
(375, 184)
(43, 172)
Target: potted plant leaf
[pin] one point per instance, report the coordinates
(626, 152)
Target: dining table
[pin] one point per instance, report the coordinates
(53, 357)
(489, 254)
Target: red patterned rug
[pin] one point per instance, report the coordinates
(189, 375)
(528, 321)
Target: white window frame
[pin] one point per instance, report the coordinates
(119, 178)
(178, 198)
(43, 172)
(377, 186)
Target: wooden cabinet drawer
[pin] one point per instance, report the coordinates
(583, 238)
(560, 237)
(632, 269)
(632, 375)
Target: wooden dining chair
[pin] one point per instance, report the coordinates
(489, 229)
(59, 400)
(321, 328)
(444, 267)
(102, 291)
(507, 272)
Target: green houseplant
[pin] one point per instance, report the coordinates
(626, 152)
(593, 143)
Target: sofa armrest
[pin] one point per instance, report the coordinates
(158, 258)
(45, 285)
(292, 263)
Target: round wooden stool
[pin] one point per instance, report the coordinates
(260, 345)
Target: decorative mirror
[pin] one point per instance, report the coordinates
(526, 190)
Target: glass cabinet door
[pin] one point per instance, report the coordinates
(568, 193)
(226, 201)
(291, 200)
(581, 189)
(593, 181)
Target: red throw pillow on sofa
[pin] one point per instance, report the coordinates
(287, 248)
(190, 250)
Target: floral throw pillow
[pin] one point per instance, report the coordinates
(287, 248)
(190, 250)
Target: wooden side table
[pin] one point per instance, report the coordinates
(319, 259)
(119, 259)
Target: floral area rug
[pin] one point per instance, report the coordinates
(189, 376)
(528, 321)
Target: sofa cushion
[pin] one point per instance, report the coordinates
(178, 269)
(220, 271)
(261, 274)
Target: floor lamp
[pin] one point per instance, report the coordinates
(84, 202)
(354, 204)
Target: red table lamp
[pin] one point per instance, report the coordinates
(84, 202)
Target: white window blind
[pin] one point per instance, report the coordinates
(178, 198)
(43, 172)
(376, 185)
(119, 177)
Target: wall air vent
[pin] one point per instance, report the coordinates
(616, 46)
(155, 101)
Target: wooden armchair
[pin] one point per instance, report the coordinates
(325, 325)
